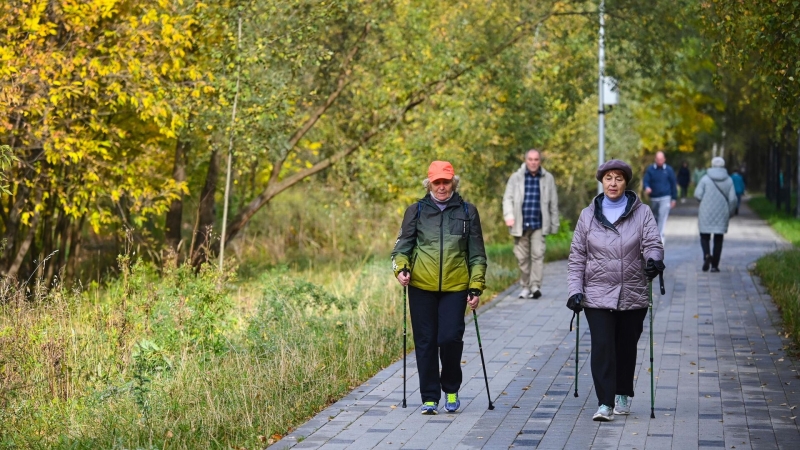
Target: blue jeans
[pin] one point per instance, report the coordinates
(660, 207)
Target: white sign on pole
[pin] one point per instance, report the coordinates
(610, 91)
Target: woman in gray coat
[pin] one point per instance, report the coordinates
(608, 276)
(717, 198)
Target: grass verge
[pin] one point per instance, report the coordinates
(786, 225)
(774, 270)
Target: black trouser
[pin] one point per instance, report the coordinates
(704, 241)
(614, 338)
(684, 188)
(437, 319)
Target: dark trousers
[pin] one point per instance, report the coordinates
(614, 338)
(437, 319)
(704, 243)
(684, 188)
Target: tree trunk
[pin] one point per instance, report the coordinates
(25, 245)
(53, 266)
(75, 248)
(206, 213)
(175, 213)
(14, 216)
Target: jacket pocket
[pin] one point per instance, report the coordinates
(458, 226)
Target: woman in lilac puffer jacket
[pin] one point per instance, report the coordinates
(615, 250)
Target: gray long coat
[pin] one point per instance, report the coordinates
(716, 205)
(606, 261)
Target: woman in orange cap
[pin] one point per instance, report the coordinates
(441, 246)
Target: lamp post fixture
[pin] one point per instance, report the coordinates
(601, 112)
(607, 93)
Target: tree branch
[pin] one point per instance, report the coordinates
(342, 81)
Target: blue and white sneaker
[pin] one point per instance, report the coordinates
(430, 408)
(622, 405)
(452, 403)
(604, 414)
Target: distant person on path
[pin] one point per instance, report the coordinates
(615, 250)
(717, 197)
(738, 186)
(698, 174)
(684, 177)
(530, 210)
(661, 186)
(441, 244)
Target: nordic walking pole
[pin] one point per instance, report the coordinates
(480, 347)
(577, 347)
(652, 388)
(405, 289)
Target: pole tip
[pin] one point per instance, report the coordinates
(575, 394)
(491, 407)
(652, 415)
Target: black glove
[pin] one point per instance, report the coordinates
(575, 303)
(653, 268)
(475, 292)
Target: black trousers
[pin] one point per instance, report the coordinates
(437, 319)
(704, 243)
(614, 338)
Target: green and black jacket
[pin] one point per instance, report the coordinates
(443, 249)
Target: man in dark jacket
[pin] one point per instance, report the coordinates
(684, 177)
(660, 184)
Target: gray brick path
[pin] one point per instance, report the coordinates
(723, 379)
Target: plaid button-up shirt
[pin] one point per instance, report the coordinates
(532, 203)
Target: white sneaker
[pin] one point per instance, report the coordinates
(604, 414)
(526, 293)
(622, 405)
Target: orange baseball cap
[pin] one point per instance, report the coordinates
(440, 170)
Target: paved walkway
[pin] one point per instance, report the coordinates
(723, 379)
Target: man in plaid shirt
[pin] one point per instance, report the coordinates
(530, 210)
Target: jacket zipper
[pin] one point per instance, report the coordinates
(441, 247)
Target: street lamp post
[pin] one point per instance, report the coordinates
(601, 112)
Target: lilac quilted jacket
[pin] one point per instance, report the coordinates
(606, 261)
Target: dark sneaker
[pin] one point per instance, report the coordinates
(452, 403)
(537, 294)
(430, 408)
(715, 269)
(603, 414)
(706, 263)
(622, 405)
